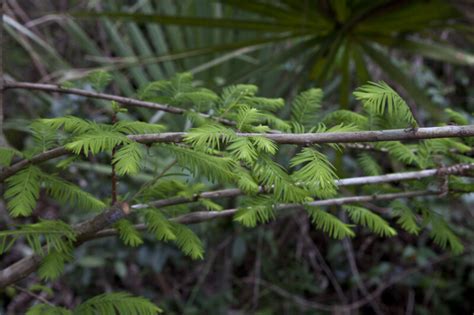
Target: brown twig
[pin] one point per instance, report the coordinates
(282, 138)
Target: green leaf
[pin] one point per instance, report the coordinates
(137, 127)
(214, 167)
(56, 234)
(99, 79)
(52, 265)
(23, 191)
(68, 193)
(128, 159)
(274, 176)
(159, 225)
(369, 219)
(369, 165)
(128, 233)
(187, 241)
(72, 124)
(7, 154)
(306, 106)
(119, 303)
(380, 99)
(330, 224)
(442, 234)
(317, 174)
(209, 136)
(258, 210)
(406, 217)
(96, 142)
(46, 309)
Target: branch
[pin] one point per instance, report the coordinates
(456, 169)
(202, 216)
(25, 266)
(125, 101)
(282, 138)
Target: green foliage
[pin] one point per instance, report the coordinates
(44, 136)
(128, 159)
(441, 233)
(159, 225)
(346, 117)
(255, 211)
(380, 99)
(45, 309)
(209, 136)
(52, 265)
(329, 224)
(369, 165)
(96, 142)
(72, 124)
(305, 108)
(137, 127)
(214, 167)
(128, 233)
(55, 234)
(274, 177)
(369, 219)
(68, 193)
(187, 241)
(23, 191)
(317, 174)
(179, 91)
(99, 79)
(119, 303)
(7, 154)
(406, 217)
(399, 151)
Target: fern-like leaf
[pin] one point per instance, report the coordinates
(68, 193)
(96, 142)
(317, 173)
(188, 242)
(159, 225)
(127, 159)
(209, 136)
(23, 191)
(379, 98)
(56, 235)
(369, 165)
(119, 303)
(72, 124)
(137, 127)
(329, 224)
(406, 217)
(46, 309)
(306, 106)
(128, 233)
(258, 210)
(442, 234)
(213, 167)
(274, 176)
(52, 265)
(369, 219)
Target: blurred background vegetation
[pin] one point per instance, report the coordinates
(424, 49)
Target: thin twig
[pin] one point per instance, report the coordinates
(33, 295)
(282, 138)
(125, 101)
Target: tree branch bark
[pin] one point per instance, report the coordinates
(125, 101)
(282, 138)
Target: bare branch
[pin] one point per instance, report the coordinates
(456, 169)
(282, 138)
(125, 101)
